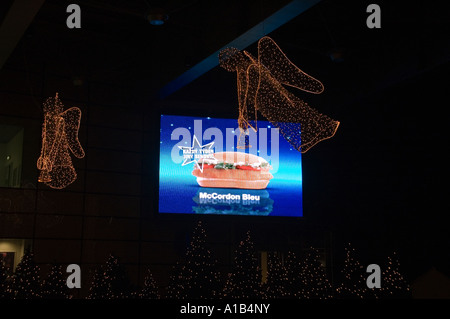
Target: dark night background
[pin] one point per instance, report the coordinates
(379, 183)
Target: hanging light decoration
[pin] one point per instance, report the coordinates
(260, 89)
(59, 135)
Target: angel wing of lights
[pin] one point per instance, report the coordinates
(59, 135)
(260, 87)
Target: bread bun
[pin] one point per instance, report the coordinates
(245, 171)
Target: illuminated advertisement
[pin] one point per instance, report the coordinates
(202, 169)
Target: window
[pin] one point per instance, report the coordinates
(11, 150)
(11, 252)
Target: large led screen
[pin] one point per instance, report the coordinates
(205, 168)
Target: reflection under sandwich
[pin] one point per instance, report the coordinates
(226, 201)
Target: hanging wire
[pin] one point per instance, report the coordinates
(27, 72)
(262, 17)
(327, 28)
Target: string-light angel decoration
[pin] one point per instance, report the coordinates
(260, 89)
(59, 135)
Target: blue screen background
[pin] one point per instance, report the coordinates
(178, 188)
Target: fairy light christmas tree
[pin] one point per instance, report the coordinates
(244, 282)
(4, 291)
(315, 283)
(196, 277)
(26, 281)
(110, 281)
(178, 282)
(353, 283)
(277, 278)
(54, 285)
(295, 285)
(150, 289)
(100, 288)
(393, 284)
(118, 280)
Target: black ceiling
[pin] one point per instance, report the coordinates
(117, 43)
